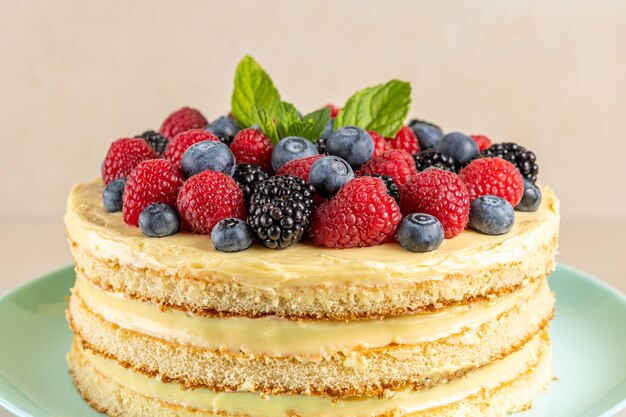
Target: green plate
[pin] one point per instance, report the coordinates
(588, 333)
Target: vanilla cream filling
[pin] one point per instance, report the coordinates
(106, 236)
(534, 353)
(276, 336)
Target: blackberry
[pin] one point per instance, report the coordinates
(248, 176)
(321, 145)
(392, 187)
(156, 141)
(226, 140)
(432, 158)
(280, 210)
(524, 160)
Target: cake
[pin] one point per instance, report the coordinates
(336, 324)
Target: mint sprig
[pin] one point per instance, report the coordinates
(253, 90)
(381, 108)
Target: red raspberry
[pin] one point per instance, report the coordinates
(123, 156)
(251, 146)
(334, 110)
(182, 120)
(361, 214)
(483, 142)
(299, 167)
(493, 176)
(153, 181)
(441, 194)
(208, 197)
(176, 147)
(395, 163)
(380, 143)
(406, 140)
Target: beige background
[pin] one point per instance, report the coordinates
(76, 75)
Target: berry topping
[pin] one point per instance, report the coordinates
(334, 110)
(491, 215)
(231, 235)
(493, 176)
(159, 220)
(156, 141)
(524, 160)
(420, 232)
(280, 210)
(483, 142)
(225, 128)
(153, 181)
(361, 214)
(207, 198)
(177, 146)
(299, 167)
(112, 195)
(248, 176)
(353, 144)
(381, 144)
(431, 158)
(290, 148)
(392, 188)
(441, 194)
(181, 121)
(395, 163)
(427, 134)
(123, 156)
(531, 199)
(406, 140)
(251, 146)
(329, 174)
(461, 148)
(208, 155)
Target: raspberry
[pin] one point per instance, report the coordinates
(493, 176)
(251, 146)
(153, 181)
(406, 140)
(380, 143)
(299, 167)
(123, 156)
(181, 142)
(334, 110)
(395, 163)
(361, 214)
(208, 197)
(441, 194)
(483, 142)
(181, 121)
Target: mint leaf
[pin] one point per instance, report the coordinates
(289, 123)
(266, 124)
(287, 119)
(382, 108)
(253, 90)
(315, 123)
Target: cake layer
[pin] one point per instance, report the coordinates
(186, 272)
(277, 355)
(504, 386)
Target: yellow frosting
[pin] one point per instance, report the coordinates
(106, 235)
(406, 401)
(278, 336)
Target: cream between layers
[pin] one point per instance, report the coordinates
(105, 236)
(275, 336)
(533, 357)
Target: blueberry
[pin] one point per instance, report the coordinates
(491, 215)
(531, 198)
(420, 232)
(428, 134)
(290, 148)
(231, 235)
(328, 129)
(159, 220)
(351, 143)
(223, 127)
(328, 174)
(461, 148)
(208, 155)
(112, 195)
